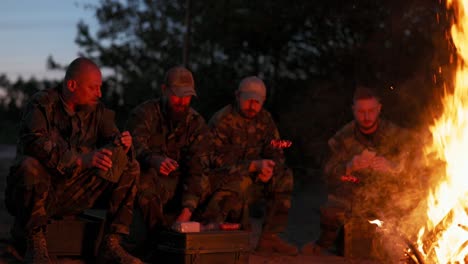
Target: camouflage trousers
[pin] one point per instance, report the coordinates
(34, 194)
(232, 198)
(154, 193)
(332, 220)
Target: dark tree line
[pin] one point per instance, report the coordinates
(311, 54)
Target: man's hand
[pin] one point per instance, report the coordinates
(100, 158)
(126, 140)
(358, 162)
(184, 216)
(264, 167)
(383, 165)
(164, 165)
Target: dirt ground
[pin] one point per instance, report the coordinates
(303, 219)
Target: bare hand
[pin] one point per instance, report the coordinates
(265, 168)
(264, 177)
(382, 164)
(358, 162)
(100, 159)
(184, 216)
(164, 165)
(126, 140)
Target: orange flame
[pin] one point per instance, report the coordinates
(447, 242)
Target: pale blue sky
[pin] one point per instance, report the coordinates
(31, 30)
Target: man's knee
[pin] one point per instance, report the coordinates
(32, 172)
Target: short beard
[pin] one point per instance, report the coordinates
(178, 115)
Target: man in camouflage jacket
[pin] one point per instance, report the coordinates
(172, 144)
(363, 171)
(248, 167)
(69, 154)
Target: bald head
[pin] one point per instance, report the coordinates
(79, 67)
(82, 85)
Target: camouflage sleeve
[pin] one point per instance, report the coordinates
(196, 185)
(139, 124)
(335, 166)
(225, 156)
(107, 128)
(37, 141)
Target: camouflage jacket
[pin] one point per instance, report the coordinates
(56, 136)
(239, 140)
(187, 143)
(389, 141)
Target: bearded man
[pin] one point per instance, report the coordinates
(170, 140)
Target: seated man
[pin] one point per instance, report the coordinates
(362, 172)
(69, 154)
(170, 140)
(249, 168)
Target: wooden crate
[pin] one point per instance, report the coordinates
(359, 237)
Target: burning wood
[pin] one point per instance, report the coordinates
(412, 254)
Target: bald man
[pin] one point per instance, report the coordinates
(69, 154)
(249, 168)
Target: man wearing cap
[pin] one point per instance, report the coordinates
(170, 140)
(249, 168)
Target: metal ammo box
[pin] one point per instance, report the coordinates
(75, 236)
(210, 247)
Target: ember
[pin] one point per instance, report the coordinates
(281, 143)
(349, 178)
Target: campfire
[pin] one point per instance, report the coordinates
(444, 238)
(443, 232)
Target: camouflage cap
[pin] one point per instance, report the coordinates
(252, 87)
(180, 80)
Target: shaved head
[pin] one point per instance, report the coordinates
(80, 67)
(82, 84)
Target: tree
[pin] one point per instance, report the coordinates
(311, 54)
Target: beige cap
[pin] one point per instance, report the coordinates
(252, 87)
(180, 80)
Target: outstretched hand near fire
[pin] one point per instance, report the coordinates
(361, 161)
(381, 164)
(370, 160)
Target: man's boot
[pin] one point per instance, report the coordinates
(271, 243)
(324, 246)
(36, 248)
(113, 252)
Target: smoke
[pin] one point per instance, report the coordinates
(398, 199)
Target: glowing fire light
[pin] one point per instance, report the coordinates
(445, 240)
(376, 222)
